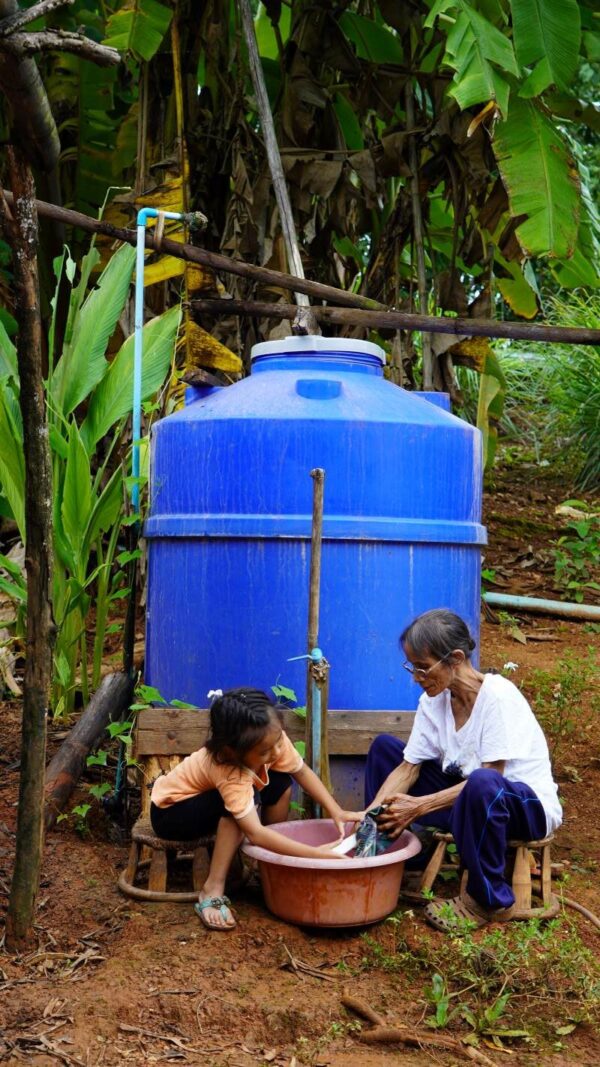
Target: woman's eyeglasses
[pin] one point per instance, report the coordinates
(421, 672)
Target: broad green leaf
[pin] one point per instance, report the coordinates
(517, 290)
(550, 31)
(492, 390)
(14, 591)
(349, 123)
(265, 34)
(541, 180)
(139, 27)
(583, 267)
(111, 400)
(477, 51)
(7, 320)
(8, 356)
(76, 497)
(11, 567)
(82, 364)
(374, 43)
(12, 463)
(105, 511)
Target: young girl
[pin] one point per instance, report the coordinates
(247, 757)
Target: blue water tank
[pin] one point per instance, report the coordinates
(230, 521)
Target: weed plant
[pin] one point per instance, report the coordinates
(557, 695)
(516, 981)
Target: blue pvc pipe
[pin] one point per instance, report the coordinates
(136, 427)
(543, 607)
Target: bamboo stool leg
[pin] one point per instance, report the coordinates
(157, 875)
(521, 880)
(198, 869)
(132, 863)
(433, 867)
(546, 870)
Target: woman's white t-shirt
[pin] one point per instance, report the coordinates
(501, 726)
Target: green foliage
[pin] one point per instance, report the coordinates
(88, 491)
(540, 177)
(577, 555)
(556, 696)
(438, 996)
(480, 54)
(547, 36)
(486, 978)
(138, 26)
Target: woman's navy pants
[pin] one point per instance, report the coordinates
(488, 813)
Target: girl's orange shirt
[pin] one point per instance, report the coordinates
(199, 772)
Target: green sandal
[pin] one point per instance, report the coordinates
(221, 904)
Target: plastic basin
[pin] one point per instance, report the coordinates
(344, 892)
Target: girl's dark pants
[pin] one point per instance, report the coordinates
(199, 816)
(488, 813)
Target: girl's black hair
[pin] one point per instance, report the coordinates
(238, 720)
(437, 633)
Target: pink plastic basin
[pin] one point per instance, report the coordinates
(344, 892)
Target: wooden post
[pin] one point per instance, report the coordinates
(21, 228)
(314, 593)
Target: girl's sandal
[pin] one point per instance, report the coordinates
(220, 904)
(452, 916)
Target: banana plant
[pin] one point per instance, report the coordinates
(89, 483)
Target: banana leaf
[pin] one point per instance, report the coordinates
(541, 179)
(139, 26)
(547, 36)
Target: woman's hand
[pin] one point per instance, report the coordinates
(401, 810)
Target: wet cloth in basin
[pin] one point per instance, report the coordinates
(370, 841)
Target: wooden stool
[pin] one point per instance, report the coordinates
(143, 835)
(523, 857)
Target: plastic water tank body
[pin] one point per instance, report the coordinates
(230, 520)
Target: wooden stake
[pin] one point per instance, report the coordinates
(21, 229)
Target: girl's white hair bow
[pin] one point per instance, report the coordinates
(214, 694)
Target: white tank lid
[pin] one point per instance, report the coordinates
(319, 345)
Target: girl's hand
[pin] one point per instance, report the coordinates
(340, 818)
(326, 853)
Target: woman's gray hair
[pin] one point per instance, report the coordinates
(437, 633)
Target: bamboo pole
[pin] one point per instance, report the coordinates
(272, 148)
(192, 254)
(403, 320)
(351, 306)
(428, 358)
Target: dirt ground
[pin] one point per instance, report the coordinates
(111, 980)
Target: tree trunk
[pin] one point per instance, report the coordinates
(22, 231)
(65, 767)
(32, 123)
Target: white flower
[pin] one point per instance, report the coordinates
(510, 666)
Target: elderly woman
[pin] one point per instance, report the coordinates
(476, 764)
